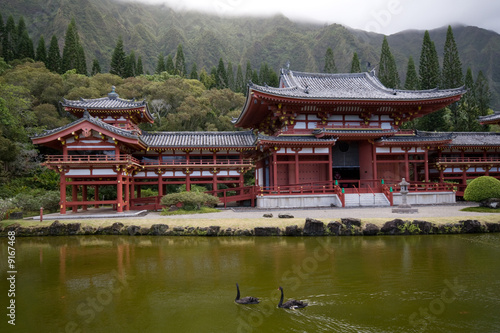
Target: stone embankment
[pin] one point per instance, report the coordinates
(311, 227)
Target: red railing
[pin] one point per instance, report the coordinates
(468, 160)
(236, 194)
(91, 159)
(183, 162)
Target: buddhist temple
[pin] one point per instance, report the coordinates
(317, 140)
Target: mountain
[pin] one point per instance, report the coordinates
(151, 29)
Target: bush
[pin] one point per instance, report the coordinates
(190, 200)
(6, 206)
(482, 188)
(31, 202)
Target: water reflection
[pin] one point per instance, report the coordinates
(187, 284)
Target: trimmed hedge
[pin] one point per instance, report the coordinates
(482, 188)
(190, 200)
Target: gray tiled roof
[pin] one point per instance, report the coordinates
(495, 117)
(241, 139)
(354, 131)
(95, 121)
(475, 139)
(295, 138)
(347, 86)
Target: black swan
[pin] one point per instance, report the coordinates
(245, 300)
(290, 304)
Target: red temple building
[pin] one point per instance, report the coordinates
(316, 140)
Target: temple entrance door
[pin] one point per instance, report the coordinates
(345, 161)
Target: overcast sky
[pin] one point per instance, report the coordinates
(382, 16)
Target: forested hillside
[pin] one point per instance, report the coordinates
(149, 30)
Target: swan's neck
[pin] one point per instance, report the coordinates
(237, 293)
(281, 299)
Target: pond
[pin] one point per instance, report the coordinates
(438, 283)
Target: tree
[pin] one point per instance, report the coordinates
(180, 63)
(452, 76)
(96, 68)
(482, 94)
(139, 70)
(411, 82)
(230, 76)
(388, 72)
(429, 79)
(248, 75)
(329, 62)
(9, 40)
(207, 79)
(117, 65)
(160, 64)
(130, 65)
(24, 47)
(221, 81)
(54, 56)
(239, 83)
(194, 72)
(41, 51)
(355, 65)
(73, 55)
(169, 66)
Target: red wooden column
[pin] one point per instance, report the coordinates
(330, 164)
(96, 195)
(62, 190)
(407, 164)
(374, 161)
(160, 185)
(441, 168)
(119, 191)
(74, 197)
(127, 192)
(188, 173)
(84, 197)
(275, 170)
(426, 163)
(296, 165)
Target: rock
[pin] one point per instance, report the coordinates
(392, 227)
(371, 230)
(493, 227)
(293, 230)
(73, 228)
(173, 208)
(213, 230)
(471, 226)
(425, 227)
(158, 229)
(267, 215)
(451, 228)
(266, 231)
(179, 229)
(88, 230)
(114, 229)
(349, 221)
(335, 228)
(314, 227)
(490, 203)
(285, 216)
(58, 229)
(134, 230)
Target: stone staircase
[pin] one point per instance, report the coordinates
(366, 199)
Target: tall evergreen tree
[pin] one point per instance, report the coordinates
(73, 55)
(482, 94)
(117, 65)
(169, 66)
(355, 65)
(9, 40)
(130, 65)
(452, 76)
(388, 72)
(41, 51)
(54, 56)
(221, 80)
(411, 82)
(160, 64)
(180, 62)
(230, 76)
(329, 62)
(239, 83)
(139, 70)
(194, 72)
(21, 48)
(96, 67)
(248, 72)
(429, 78)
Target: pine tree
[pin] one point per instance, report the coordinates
(452, 76)
(73, 55)
(482, 94)
(355, 65)
(239, 83)
(2, 30)
(96, 67)
(411, 82)
(388, 72)
(194, 72)
(160, 64)
(139, 70)
(41, 51)
(329, 62)
(117, 65)
(248, 72)
(221, 81)
(9, 40)
(180, 63)
(54, 56)
(263, 76)
(230, 76)
(130, 65)
(429, 78)
(169, 66)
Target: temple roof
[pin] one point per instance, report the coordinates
(475, 139)
(298, 140)
(359, 86)
(450, 139)
(242, 139)
(490, 119)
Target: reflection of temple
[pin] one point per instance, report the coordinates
(316, 140)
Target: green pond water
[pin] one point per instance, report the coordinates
(439, 283)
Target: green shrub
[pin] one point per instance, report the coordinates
(482, 188)
(31, 202)
(6, 206)
(190, 200)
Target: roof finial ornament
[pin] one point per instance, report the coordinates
(86, 114)
(113, 94)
